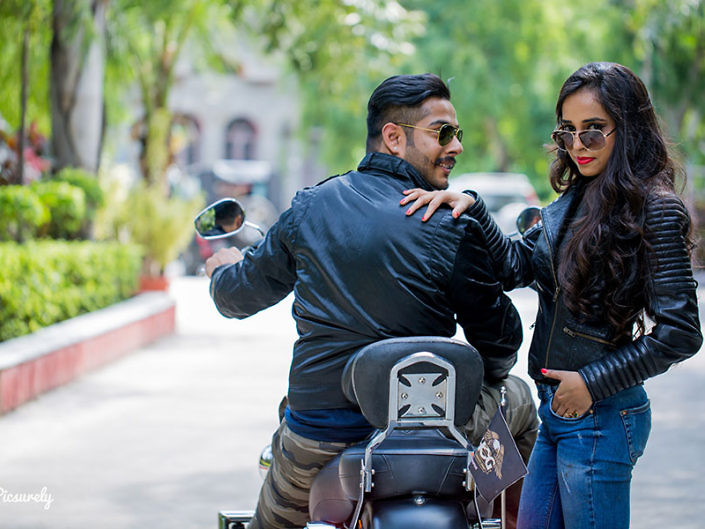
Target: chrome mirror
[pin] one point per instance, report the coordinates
(223, 218)
(528, 218)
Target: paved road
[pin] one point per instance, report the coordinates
(166, 437)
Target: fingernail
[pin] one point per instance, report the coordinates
(408, 212)
(544, 371)
(455, 214)
(423, 219)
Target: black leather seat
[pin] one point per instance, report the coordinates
(408, 462)
(327, 501)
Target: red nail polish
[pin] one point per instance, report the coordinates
(408, 212)
(544, 371)
(455, 214)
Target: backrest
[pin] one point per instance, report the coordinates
(432, 375)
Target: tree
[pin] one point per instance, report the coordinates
(77, 81)
(669, 45)
(339, 52)
(146, 41)
(22, 79)
(326, 47)
(504, 63)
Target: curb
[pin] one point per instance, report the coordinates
(33, 364)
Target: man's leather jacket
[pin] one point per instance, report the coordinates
(560, 341)
(361, 271)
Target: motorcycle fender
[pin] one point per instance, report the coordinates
(416, 512)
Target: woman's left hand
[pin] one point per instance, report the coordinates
(572, 398)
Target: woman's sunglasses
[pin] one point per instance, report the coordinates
(445, 133)
(592, 139)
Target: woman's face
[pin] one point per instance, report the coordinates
(581, 111)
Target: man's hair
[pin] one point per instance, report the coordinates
(398, 100)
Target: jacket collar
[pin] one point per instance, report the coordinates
(395, 167)
(553, 215)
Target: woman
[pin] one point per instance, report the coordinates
(611, 250)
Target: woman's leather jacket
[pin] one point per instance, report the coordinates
(560, 341)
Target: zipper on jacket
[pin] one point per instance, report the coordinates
(570, 332)
(556, 292)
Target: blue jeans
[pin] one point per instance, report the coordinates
(580, 469)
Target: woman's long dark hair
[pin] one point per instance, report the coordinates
(603, 264)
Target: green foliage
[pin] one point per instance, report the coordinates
(44, 282)
(67, 206)
(145, 41)
(668, 43)
(339, 52)
(86, 181)
(15, 16)
(504, 74)
(163, 227)
(90, 185)
(22, 213)
(505, 62)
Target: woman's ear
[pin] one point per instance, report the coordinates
(393, 139)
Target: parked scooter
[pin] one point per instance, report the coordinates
(414, 470)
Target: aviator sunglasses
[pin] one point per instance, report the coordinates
(445, 133)
(592, 139)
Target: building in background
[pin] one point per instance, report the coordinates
(252, 114)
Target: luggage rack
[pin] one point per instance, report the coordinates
(234, 519)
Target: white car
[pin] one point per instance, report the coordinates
(505, 194)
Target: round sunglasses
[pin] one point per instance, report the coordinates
(592, 139)
(445, 133)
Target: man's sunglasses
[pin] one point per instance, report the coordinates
(592, 139)
(445, 133)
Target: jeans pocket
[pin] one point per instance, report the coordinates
(637, 426)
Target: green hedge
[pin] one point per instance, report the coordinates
(22, 213)
(92, 191)
(67, 208)
(44, 282)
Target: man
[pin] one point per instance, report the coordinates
(360, 274)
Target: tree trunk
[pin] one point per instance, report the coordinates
(24, 67)
(77, 77)
(156, 147)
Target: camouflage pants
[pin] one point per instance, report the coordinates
(283, 500)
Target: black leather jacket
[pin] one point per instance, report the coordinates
(561, 342)
(361, 271)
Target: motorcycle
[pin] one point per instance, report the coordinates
(415, 469)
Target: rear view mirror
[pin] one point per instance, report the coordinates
(223, 218)
(528, 218)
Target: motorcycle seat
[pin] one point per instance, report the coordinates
(408, 462)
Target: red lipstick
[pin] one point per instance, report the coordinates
(582, 160)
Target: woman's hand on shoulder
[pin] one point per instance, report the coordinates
(460, 202)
